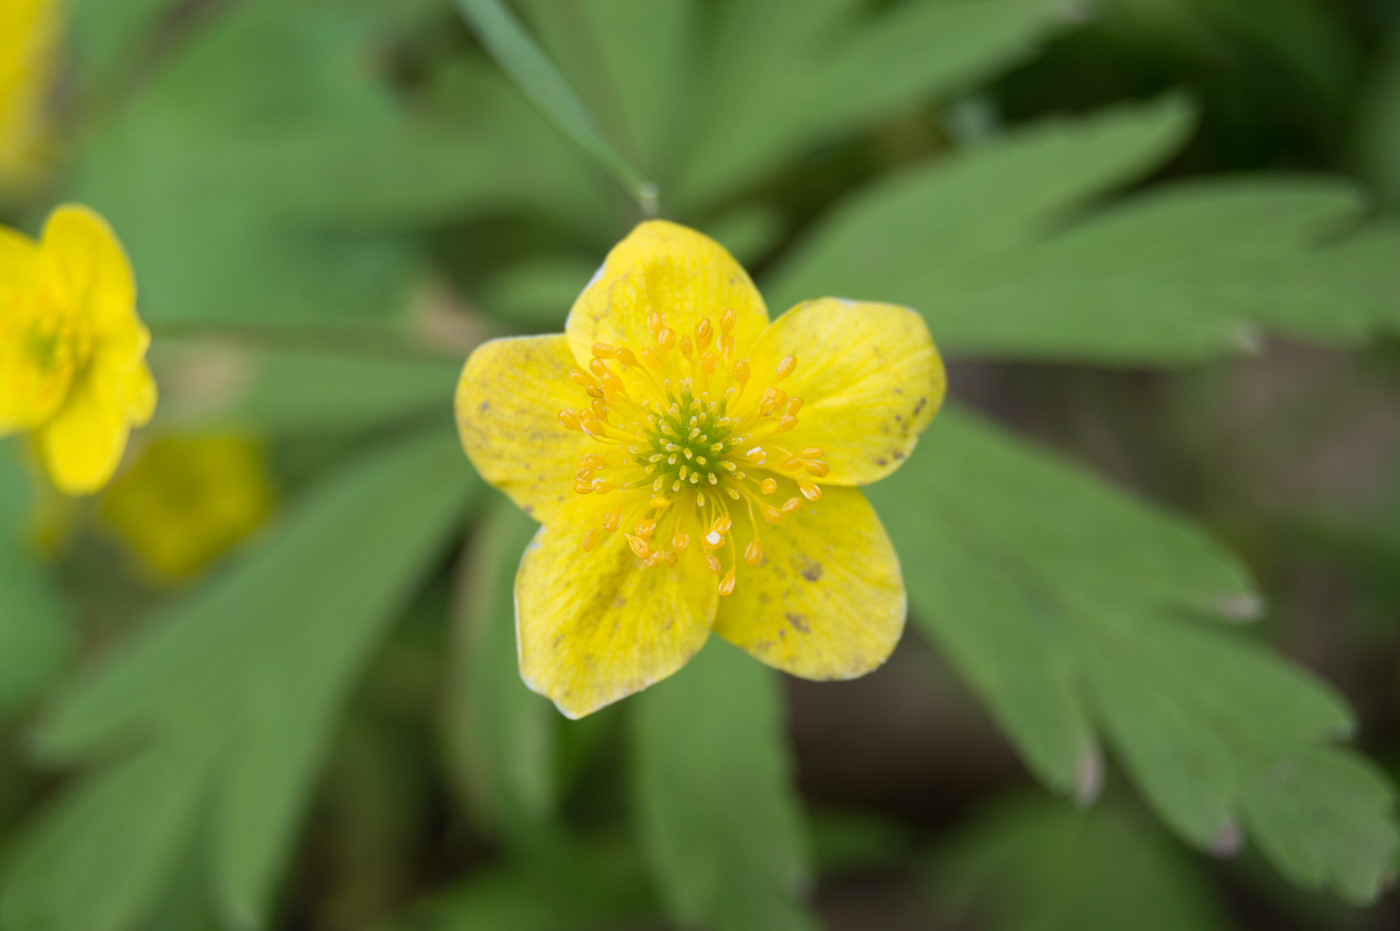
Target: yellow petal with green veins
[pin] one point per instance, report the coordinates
(870, 379)
(508, 403)
(827, 600)
(595, 625)
(683, 275)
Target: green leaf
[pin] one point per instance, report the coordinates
(982, 245)
(585, 887)
(1028, 862)
(232, 693)
(1378, 127)
(297, 392)
(1071, 609)
(37, 636)
(786, 75)
(720, 821)
(503, 737)
(519, 57)
(985, 201)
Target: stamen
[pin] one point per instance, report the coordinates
(726, 584)
(785, 367)
(590, 538)
(753, 553)
(569, 419)
(791, 505)
(769, 485)
(603, 351)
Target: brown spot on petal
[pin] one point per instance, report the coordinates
(798, 622)
(812, 571)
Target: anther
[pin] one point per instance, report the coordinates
(753, 553)
(650, 359)
(612, 385)
(785, 424)
(583, 488)
(597, 366)
(681, 540)
(732, 492)
(639, 546)
(645, 528)
(580, 377)
(756, 455)
(819, 469)
(713, 563)
(600, 410)
(612, 520)
(603, 351)
(686, 347)
(625, 356)
(741, 371)
(785, 367)
(811, 452)
(794, 406)
(654, 323)
(713, 540)
(603, 488)
(791, 505)
(660, 504)
(726, 584)
(592, 462)
(590, 537)
(771, 514)
(569, 419)
(703, 332)
(727, 320)
(768, 486)
(721, 524)
(809, 491)
(665, 339)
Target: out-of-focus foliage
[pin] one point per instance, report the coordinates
(1031, 863)
(329, 202)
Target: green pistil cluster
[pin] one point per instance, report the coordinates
(688, 442)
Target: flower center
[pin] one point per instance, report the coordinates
(687, 448)
(42, 346)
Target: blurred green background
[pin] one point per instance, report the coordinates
(1152, 546)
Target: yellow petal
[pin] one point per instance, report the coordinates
(683, 275)
(508, 403)
(83, 444)
(596, 625)
(870, 379)
(32, 381)
(91, 269)
(828, 601)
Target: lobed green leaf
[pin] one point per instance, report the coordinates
(219, 712)
(720, 821)
(1074, 611)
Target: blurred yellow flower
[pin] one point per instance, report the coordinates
(28, 35)
(72, 349)
(693, 466)
(187, 500)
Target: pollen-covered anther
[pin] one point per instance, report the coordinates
(768, 486)
(741, 371)
(590, 538)
(771, 514)
(713, 563)
(569, 418)
(639, 546)
(809, 491)
(703, 332)
(785, 424)
(791, 504)
(713, 540)
(785, 367)
(727, 319)
(592, 461)
(756, 455)
(753, 553)
(626, 356)
(726, 584)
(681, 540)
(655, 323)
(686, 347)
(612, 520)
(603, 351)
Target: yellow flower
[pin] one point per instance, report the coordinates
(28, 33)
(693, 466)
(187, 500)
(72, 350)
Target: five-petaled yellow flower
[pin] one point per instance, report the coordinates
(72, 350)
(693, 466)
